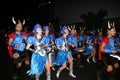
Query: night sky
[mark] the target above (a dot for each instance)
(68, 11)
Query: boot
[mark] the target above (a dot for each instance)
(53, 68)
(48, 76)
(71, 73)
(37, 77)
(93, 59)
(88, 60)
(58, 73)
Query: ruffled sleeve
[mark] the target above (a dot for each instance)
(31, 40)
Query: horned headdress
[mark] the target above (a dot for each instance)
(82, 28)
(18, 21)
(111, 25)
(99, 30)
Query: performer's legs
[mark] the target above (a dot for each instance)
(71, 67)
(92, 55)
(51, 58)
(27, 62)
(16, 70)
(60, 69)
(37, 77)
(48, 71)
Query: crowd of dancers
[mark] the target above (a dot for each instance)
(49, 51)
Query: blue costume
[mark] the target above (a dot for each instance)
(110, 46)
(72, 39)
(18, 53)
(89, 46)
(19, 41)
(81, 39)
(62, 54)
(38, 60)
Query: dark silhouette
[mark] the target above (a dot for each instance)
(94, 20)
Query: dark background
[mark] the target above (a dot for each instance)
(56, 11)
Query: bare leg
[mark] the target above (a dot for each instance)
(48, 71)
(71, 67)
(60, 69)
(16, 70)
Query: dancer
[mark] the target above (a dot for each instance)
(64, 55)
(39, 56)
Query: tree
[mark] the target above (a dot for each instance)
(94, 20)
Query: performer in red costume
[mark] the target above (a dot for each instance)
(106, 51)
(16, 47)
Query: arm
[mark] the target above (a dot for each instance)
(10, 41)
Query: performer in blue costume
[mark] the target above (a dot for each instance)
(82, 37)
(50, 40)
(72, 38)
(64, 55)
(90, 50)
(107, 51)
(39, 56)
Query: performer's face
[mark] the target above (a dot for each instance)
(100, 33)
(112, 32)
(47, 31)
(18, 27)
(82, 31)
(73, 32)
(66, 31)
(39, 31)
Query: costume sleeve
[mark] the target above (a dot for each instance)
(12, 35)
(31, 40)
(57, 42)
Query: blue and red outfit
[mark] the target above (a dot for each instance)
(17, 40)
(108, 47)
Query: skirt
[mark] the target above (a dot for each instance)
(61, 57)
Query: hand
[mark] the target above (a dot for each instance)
(114, 51)
(36, 51)
(17, 46)
(80, 44)
(48, 49)
(72, 45)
